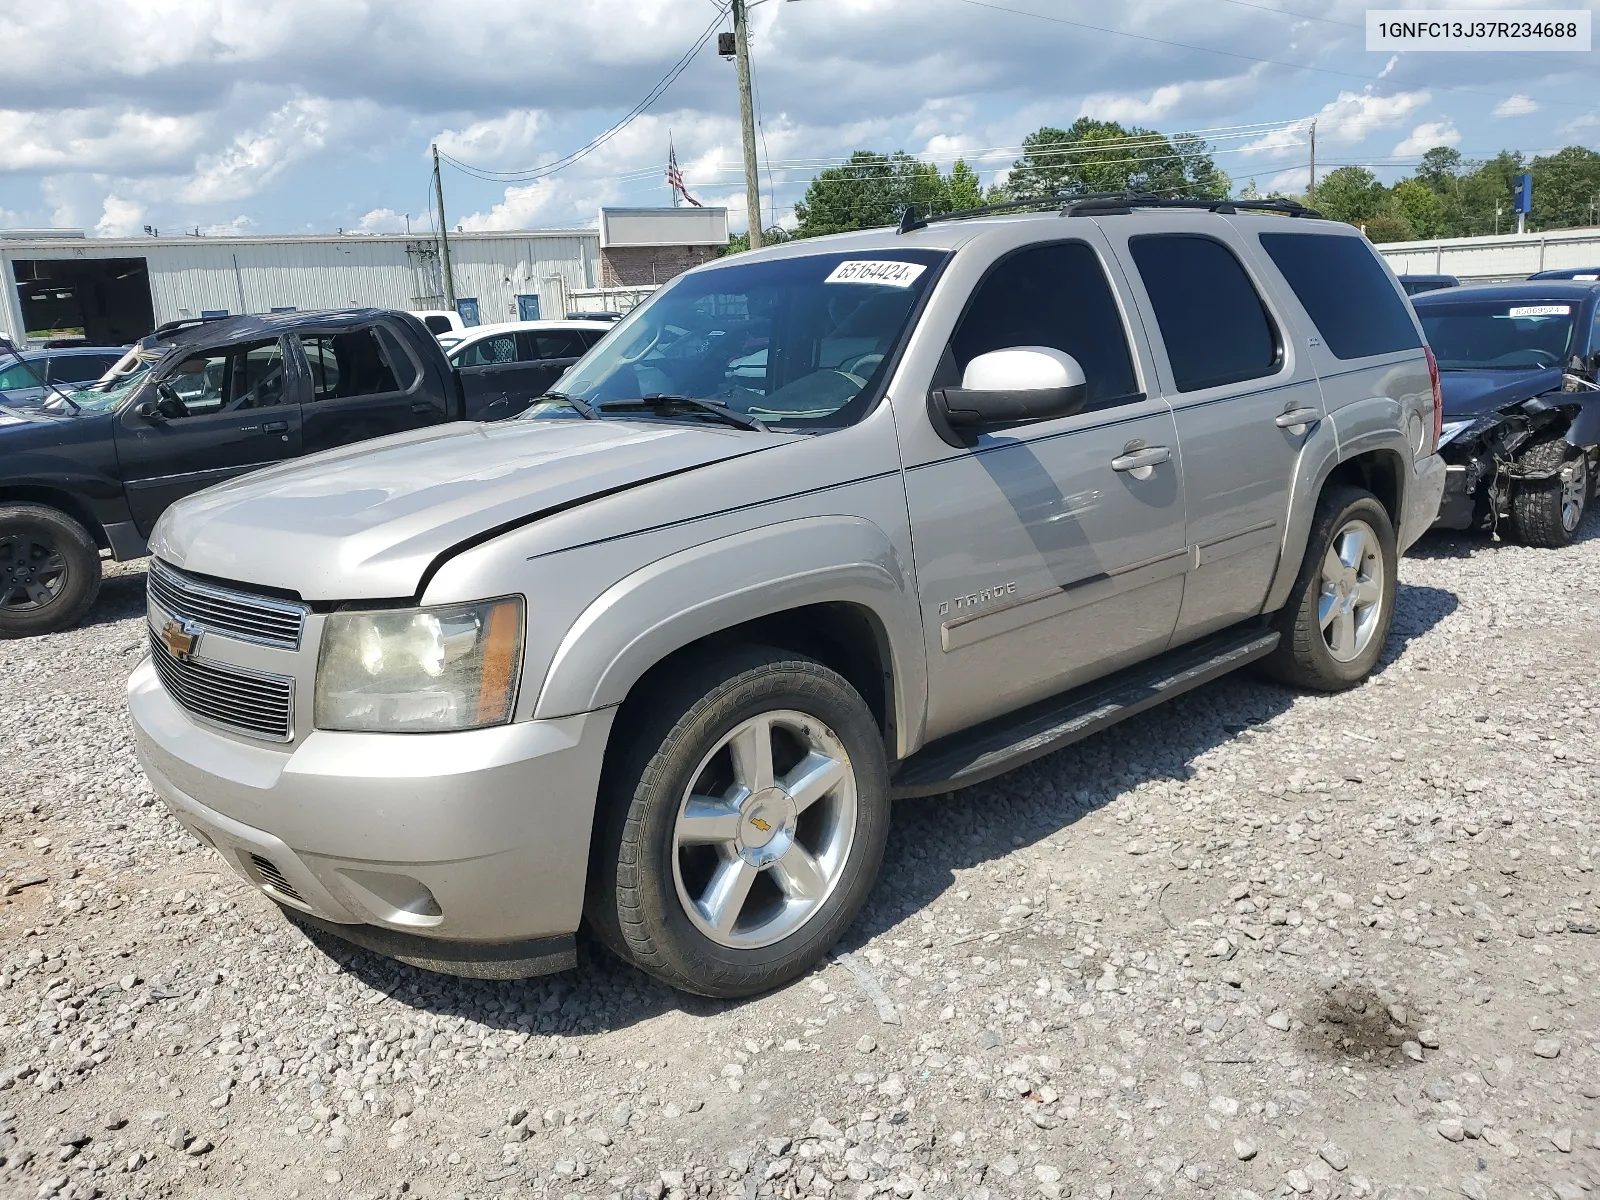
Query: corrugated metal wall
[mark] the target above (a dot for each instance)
(257, 275)
(1507, 256)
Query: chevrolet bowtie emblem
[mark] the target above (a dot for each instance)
(178, 640)
(764, 826)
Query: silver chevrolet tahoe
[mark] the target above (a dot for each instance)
(871, 516)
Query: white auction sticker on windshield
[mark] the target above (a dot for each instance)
(1541, 310)
(880, 271)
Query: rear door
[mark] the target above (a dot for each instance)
(364, 383)
(490, 374)
(220, 413)
(1245, 399)
(547, 353)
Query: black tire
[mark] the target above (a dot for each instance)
(49, 570)
(1540, 515)
(1304, 658)
(633, 899)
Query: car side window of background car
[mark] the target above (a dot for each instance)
(18, 376)
(1345, 291)
(559, 343)
(1212, 319)
(78, 368)
(348, 364)
(1058, 296)
(235, 379)
(488, 352)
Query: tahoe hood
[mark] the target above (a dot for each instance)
(367, 521)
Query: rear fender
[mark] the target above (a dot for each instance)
(709, 588)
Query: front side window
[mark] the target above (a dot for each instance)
(799, 343)
(19, 375)
(344, 365)
(487, 352)
(232, 379)
(1213, 321)
(1055, 296)
(1499, 335)
(77, 368)
(558, 343)
(1346, 292)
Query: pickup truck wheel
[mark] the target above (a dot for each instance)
(745, 822)
(49, 570)
(1338, 616)
(1547, 512)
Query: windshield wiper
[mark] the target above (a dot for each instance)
(663, 402)
(583, 408)
(8, 347)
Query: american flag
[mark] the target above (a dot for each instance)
(675, 178)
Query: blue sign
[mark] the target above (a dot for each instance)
(527, 308)
(1522, 194)
(467, 310)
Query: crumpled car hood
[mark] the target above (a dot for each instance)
(367, 521)
(1470, 394)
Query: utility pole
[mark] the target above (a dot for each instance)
(747, 120)
(444, 236)
(1311, 194)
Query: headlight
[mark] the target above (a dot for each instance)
(420, 670)
(1450, 429)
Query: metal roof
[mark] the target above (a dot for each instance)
(67, 242)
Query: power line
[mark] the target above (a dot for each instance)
(530, 174)
(1298, 16)
(1144, 37)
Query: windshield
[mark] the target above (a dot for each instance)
(115, 386)
(1498, 335)
(797, 343)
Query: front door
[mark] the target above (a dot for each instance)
(1049, 553)
(1245, 401)
(364, 384)
(219, 414)
(490, 375)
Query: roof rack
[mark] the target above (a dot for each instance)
(1105, 204)
(182, 323)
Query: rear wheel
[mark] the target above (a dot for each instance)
(1547, 512)
(1337, 620)
(744, 823)
(49, 570)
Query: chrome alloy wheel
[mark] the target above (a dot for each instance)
(1574, 491)
(764, 830)
(1350, 609)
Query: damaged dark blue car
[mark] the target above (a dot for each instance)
(1519, 368)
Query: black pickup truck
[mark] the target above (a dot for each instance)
(191, 405)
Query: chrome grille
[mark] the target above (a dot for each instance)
(267, 872)
(252, 618)
(252, 703)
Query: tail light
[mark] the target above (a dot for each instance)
(1438, 398)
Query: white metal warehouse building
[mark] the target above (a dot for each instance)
(115, 290)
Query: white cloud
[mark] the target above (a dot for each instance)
(94, 139)
(381, 220)
(257, 156)
(1195, 97)
(489, 143)
(1347, 121)
(237, 227)
(1426, 136)
(120, 218)
(1516, 105)
(519, 210)
(1293, 181)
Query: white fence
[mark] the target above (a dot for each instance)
(1495, 257)
(617, 299)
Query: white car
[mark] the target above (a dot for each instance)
(505, 367)
(442, 323)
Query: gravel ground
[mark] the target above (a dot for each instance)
(1254, 944)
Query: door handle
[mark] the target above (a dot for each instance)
(422, 408)
(1297, 417)
(1141, 458)
(276, 427)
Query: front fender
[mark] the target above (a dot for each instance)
(703, 590)
(1585, 427)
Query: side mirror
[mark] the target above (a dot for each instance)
(148, 410)
(1005, 387)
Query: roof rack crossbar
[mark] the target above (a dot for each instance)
(1084, 204)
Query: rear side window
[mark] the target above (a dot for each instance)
(77, 368)
(557, 343)
(1345, 291)
(348, 364)
(404, 367)
(1212, 320)
(438, 325)
(489, 352)
(1054, 296)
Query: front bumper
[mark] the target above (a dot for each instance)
(427, 847)
(1422, 500)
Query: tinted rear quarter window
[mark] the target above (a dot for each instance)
(1213, 322)
(1345, 291)
(1057, 296)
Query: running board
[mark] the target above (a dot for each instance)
(995, 747)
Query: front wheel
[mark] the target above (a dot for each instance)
(49, 570)
(743, 824)
(1338, 616)
(1547, 512)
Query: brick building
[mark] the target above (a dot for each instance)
(642, 247)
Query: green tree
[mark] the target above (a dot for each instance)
(1566, 189)
(1388, 227)
(870, 190)
(1440, 170)
(1352, 194)
(740, 242)
(1420, 207)
(1104, 156)
(966, 191)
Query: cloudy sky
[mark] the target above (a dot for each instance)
(268, 116)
